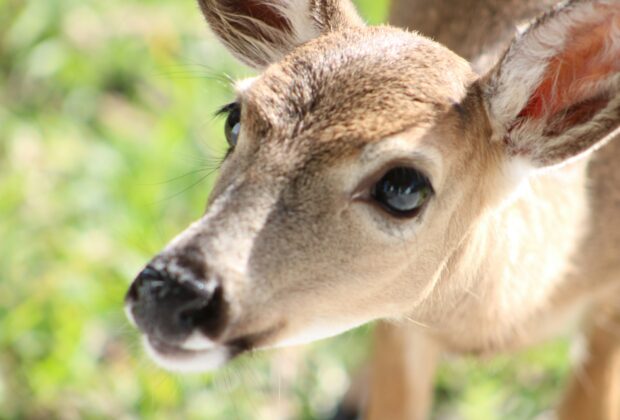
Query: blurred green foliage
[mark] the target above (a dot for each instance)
(107, 149)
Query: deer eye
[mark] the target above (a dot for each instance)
(232, 127)
(402, 191)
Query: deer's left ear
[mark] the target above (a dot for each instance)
(260, 32)
(556, 92)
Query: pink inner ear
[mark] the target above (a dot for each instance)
(590, 55)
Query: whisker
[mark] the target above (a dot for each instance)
(176, 178)
(421, 324)
(202, 179)
(472, 293)
(229, 386)
(197, 70)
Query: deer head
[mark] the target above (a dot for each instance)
(360, 160)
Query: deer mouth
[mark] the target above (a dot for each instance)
(198, 354)
(182, 359)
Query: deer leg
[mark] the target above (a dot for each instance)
(594, 389)
(402, 373)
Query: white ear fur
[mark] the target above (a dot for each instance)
(556, 92)
(260, 32)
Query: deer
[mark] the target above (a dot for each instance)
(469, 203)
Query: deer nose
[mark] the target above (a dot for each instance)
(170, 308)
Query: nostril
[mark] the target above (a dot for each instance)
(172, 307)
(204, 314)
(191, 318)
(147, 280)
(150, 273)
(156, 289)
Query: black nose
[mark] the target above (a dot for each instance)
(168, 309)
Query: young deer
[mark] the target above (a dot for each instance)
(374, 175)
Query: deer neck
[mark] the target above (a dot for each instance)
(506, 269)
(478, 30)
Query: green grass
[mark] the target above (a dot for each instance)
(107, 146)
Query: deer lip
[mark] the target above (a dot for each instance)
(175, 358)
(168, 349)
(181, 359)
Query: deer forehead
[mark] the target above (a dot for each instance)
(337, 93)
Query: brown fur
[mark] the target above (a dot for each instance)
(496, 258)
(594, 390)
(478, 30)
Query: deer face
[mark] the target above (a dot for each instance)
(360, 158)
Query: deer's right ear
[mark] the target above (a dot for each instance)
(260, 32)
(556, 92)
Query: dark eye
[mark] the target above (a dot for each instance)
(233, 123)
(402, 191)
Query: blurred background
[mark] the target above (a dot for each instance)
(108, 148)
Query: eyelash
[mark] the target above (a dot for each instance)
(223, 112)
(225, 109)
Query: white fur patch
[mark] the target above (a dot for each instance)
(198, 342)
(298, 13)
(244, 84)
(129, 316)
(196, 362)
(315, 332)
